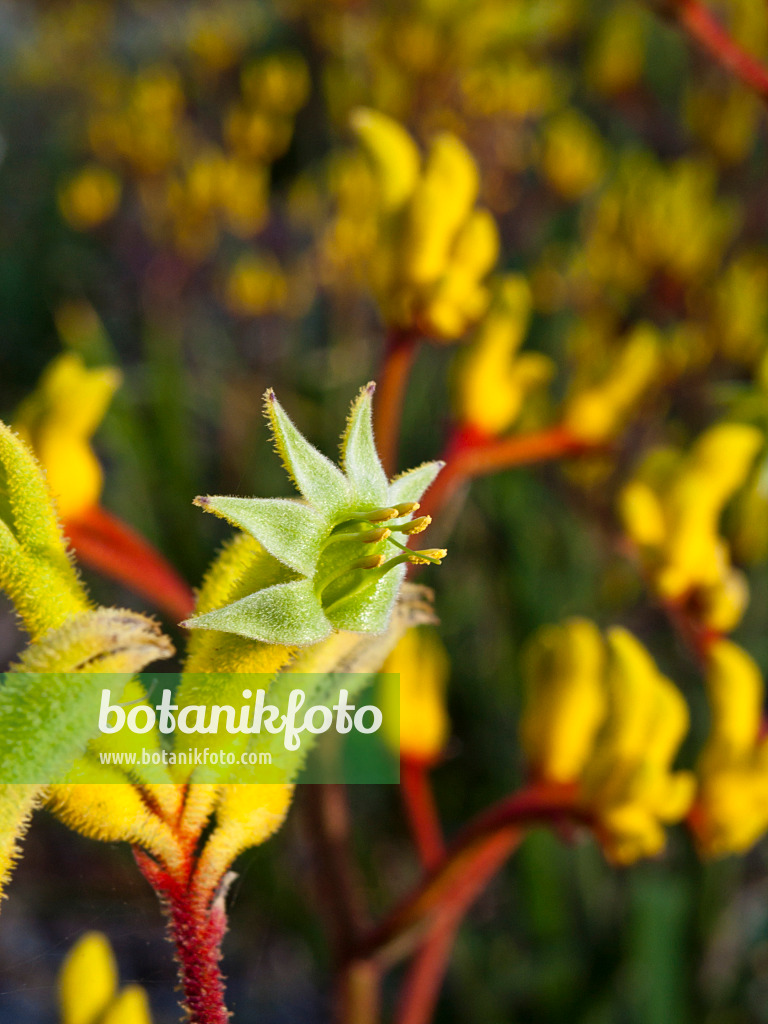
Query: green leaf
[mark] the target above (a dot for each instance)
(288, 613)
(410, 486)
(321, 483)
(359, 457)
(369, 611)
(291, 532)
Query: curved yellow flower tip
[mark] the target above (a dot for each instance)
(88, 987)
(731, 811)
(89, 197)
(130, 1007)
(422, 663)
(394, 154)
(598, 412)
(58, 421)
(114, 811)
(493, 379)
(246, 815)
(565, 699)
(714, 470)
(441, 203)
(642, 515)
(735, 693)
(87, 980)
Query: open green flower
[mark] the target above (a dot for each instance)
(337, 561)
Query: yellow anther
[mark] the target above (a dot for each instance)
(416, 526)
(406, 507)
(369, 562)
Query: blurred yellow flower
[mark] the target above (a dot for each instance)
(58, 421)
(618, 53)
(493, 379)
(672, 511)
(422, 663)
(256, 285)
(605, 718)
(595, 411)
(428, 247)
(88, 987)
(731, 811)
(572, 154)
(90, 197)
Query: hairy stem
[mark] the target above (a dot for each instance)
(196, 931)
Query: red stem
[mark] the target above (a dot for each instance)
(399, 355)
(469, 455)
(420, 807)
(546, 804)
(425, 978)
(109, 545)
(197, 932)
(699, 23)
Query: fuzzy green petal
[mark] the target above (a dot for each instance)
(411, 485)
(321, 483)
(288, 613)
(359, 457)
(370, 611)
(293, 533)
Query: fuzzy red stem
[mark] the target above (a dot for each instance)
(699, 23)
(422, 813)
(399, 355)
(196, 931)
(110, 546)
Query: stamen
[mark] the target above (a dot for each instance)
(364, 537)
(369, 562)
(430, 556)
(406, 507)
(415, 526)
(376, 515)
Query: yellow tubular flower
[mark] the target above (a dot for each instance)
(612, 725)
(442, 201)
(422, 663)
(90, 197)
(58, 421)
(565, 699)
(629, 779)
(424, 247)
(716, 467)
(596, 413)
(731, 811)
(493, 380)
(394, 154)
(246, 815)
(674, 516)
(88, 987)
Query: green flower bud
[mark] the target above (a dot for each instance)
(341, 568)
